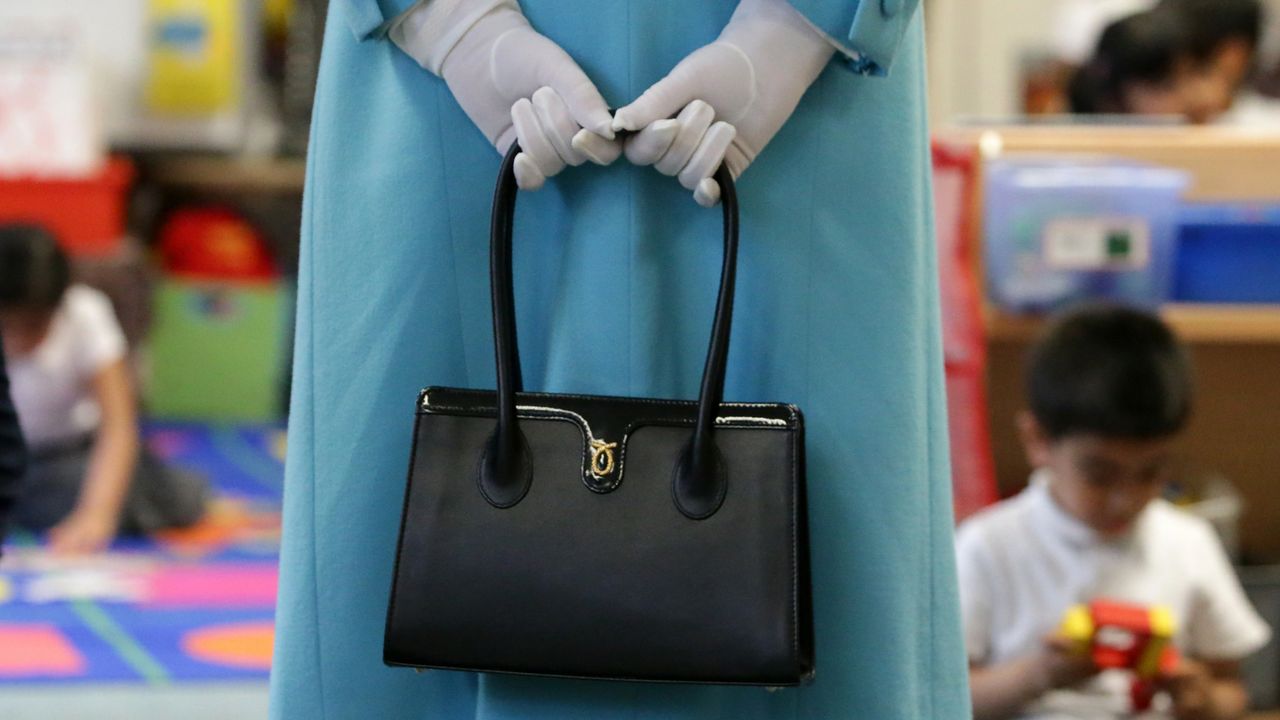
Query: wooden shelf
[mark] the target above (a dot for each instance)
(1200, 324)
(1226, 164)
(228, 175)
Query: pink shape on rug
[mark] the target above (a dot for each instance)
(37, 650)
(214, 586)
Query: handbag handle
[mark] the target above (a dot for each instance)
(506, 472)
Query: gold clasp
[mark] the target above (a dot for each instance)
(602, 458)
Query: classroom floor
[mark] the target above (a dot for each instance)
(202, 701)
(167, 627)
(175, 627)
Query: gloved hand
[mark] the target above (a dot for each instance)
(732, 97)
(513, 83)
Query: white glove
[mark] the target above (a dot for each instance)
(512, 82)
(750, 80)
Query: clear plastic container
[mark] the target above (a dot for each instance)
(1066, 228)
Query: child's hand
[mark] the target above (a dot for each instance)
(1190, 686)
(1060, 665)
(83, 531)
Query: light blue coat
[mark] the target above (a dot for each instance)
(615, 276)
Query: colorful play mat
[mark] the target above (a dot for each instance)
(194, 604)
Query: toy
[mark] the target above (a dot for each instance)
(1128, 637)
(214, 243)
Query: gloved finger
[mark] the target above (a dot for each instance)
(694, 120)
(586, 104)
(662, 100)
(650, 144)
(533, 138)
(600, 151)
(558, 124)
(707, 194)
(528, 176)
(708, 156)
(736, 160)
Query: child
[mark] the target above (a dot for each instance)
(12, 452)
(86, 476)
(1223, 38)
(1223, 35)
(1109, 390)
(1142, 66)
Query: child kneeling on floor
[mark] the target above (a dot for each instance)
(1109, 389)
(88, 476)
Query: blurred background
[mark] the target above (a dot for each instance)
(1082, 149)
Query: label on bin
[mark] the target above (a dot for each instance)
(1116, 243)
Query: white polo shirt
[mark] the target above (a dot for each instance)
(1024, 561)
(52, 385)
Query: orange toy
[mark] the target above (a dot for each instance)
(1124, 636)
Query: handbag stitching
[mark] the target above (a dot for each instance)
(585, 427)
(552, 413)
(734, 420)
(792, 410)
(725, 420)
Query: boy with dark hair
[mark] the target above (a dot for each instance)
(1109, 390)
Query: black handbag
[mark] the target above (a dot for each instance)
(603, 537)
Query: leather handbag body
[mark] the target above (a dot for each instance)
(603, 537)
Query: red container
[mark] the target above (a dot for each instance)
(87, 215)
(214, 243)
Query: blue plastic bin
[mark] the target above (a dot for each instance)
(1065, 228)
(1229, 254)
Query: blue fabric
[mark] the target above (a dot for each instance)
(367, 18)
(615, 279)
(869, 31)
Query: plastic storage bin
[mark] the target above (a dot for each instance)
(1061, 229)
(87, 215)
(1229, 254)
(217, 350)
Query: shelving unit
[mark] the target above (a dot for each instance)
(221, 174)
(266, 190)
(1226, 164)
(1235, 349)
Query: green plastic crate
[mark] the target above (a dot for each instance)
(217, 351)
